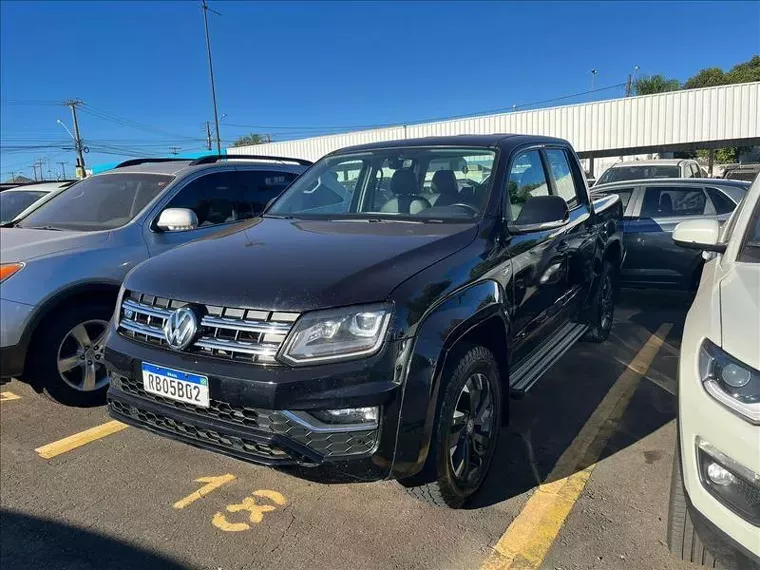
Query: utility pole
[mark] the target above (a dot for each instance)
(211, 73)
(63, 170)
(208, 135)
(34, 166)
(593, 79)
(630, 82)
(74, 103)
(174, 150)
(42, 172)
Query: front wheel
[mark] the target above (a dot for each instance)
(466, 432)
(67, 358)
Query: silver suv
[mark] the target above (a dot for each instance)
(61, 266)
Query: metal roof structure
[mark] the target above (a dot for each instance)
(677, 120)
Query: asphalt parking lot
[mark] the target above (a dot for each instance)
(581, 480)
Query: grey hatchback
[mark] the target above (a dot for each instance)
(652, 210)
(61, 266)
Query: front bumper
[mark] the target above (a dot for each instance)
(14, 318)
(12, 361)
(257, 414)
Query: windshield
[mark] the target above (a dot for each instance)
(618, 173)
(14, 202)
(103, 202)
(417, 183)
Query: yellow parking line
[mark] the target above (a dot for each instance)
(527, 540)
(6, 396)
(79, 439)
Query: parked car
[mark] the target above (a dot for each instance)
(14, 201)
(715, 488)
(376, 337)
(61, 265)
(652, 211)
(646, 169)
(746, 172)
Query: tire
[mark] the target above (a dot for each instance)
(602, 307)
(683, 540)
(441, 483)
(58, 337)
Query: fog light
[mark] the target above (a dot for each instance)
(348, 415)
(719, 475)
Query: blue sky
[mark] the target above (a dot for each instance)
(293, 69)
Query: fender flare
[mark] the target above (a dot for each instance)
(439, 330)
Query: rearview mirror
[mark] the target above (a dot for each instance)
(177, 220)
(699, 234)
(539, 214)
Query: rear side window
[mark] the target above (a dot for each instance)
(216, 198)
(527, 179)
(563, 177)
(261, 186)
(673, 202)
(723, 204)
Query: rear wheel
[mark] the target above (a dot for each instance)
(603, 306)
(67, 355)
(466, 432)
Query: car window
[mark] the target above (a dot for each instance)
(673, 202)
(261, 186)
(559, 166)
(639, 172)
(527, 180)
(722, 203)
(216, 198)
(101, 202)
(624, 193)
(750, 251)
(14, 202)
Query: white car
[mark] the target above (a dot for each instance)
(17, 202)
(715, 491)
(649, 169)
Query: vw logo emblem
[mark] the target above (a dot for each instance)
(180, 328)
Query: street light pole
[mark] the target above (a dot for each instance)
(211, 73)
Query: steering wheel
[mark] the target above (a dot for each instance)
(468, 206)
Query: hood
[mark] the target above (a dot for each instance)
(19, 244)
(299, 265)
(740, 313)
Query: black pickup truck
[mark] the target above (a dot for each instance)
(376, 319)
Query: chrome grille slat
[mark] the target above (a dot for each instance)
(255, 340)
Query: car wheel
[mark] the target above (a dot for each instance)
(466, 432)
(67, 358)
(683, 540)
(603, 306)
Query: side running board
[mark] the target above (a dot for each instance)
(530, 370)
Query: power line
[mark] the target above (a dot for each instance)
(132, 124)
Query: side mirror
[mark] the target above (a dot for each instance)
(177, 220)
(699, 234)
(539, 214)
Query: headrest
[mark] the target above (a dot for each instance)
(445, 183)
(404, 182)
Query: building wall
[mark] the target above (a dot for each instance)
(633, 125)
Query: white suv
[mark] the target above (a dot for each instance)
(715, 491)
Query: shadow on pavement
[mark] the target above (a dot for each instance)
(545, 422)
(30, 542)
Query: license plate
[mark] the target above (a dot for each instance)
(175, 384)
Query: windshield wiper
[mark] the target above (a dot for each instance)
(51, 228)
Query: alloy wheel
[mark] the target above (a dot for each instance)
(471, 429)
(80, 356)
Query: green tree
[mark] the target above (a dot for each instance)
(745, 72)
(647, 85)
(250, 139)
(708, 77)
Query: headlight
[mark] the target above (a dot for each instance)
(732, 383)
(336, 334)
(8, 269)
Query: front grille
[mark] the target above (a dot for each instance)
(208, 436)
(247, 335)
(265, 422)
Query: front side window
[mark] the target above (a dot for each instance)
(216, 198)
(527, 180)
(722, 203)
(624, 194)
(563, 176)
(261, 186)
(426, 182)
(673, 202)
(750, 251)
(101, 202)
